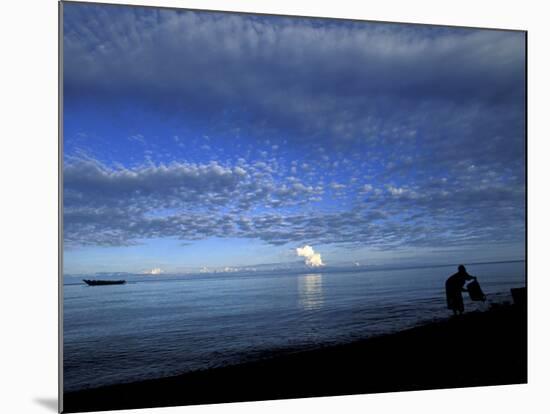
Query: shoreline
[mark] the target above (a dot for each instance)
(476, 349)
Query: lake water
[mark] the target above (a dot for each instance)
(153, 326)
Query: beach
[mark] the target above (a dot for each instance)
(475, 349)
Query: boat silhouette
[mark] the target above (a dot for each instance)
(103, 282)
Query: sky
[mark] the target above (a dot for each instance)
(207, 140)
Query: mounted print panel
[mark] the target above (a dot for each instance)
(260, 207)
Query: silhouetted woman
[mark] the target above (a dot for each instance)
(454, 288)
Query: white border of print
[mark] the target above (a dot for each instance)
(28, 32)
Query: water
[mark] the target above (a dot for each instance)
(156, 327)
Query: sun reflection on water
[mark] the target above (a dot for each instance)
(310, 290)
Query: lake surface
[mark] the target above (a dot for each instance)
(156, 326)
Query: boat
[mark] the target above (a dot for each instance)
(103, 282)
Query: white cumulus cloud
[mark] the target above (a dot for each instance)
(154, 271)
(311, 258)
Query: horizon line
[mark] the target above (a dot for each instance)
(321, 269)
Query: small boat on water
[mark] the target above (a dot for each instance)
(103, 282)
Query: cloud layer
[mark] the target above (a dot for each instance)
(105, 206)
(302, 130)
(319, 79)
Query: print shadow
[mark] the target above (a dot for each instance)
(49, 403)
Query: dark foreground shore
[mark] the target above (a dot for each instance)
(485, 348)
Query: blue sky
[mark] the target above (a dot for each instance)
(210, 140)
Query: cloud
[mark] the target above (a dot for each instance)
(342, 82)
(344, 133)
(138, 138)
(154, 271)
(178, 184)
(110, 206)
(311, 259)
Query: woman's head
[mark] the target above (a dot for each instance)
(461, 269)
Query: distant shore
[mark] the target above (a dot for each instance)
(476, 349)
(325, 269)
